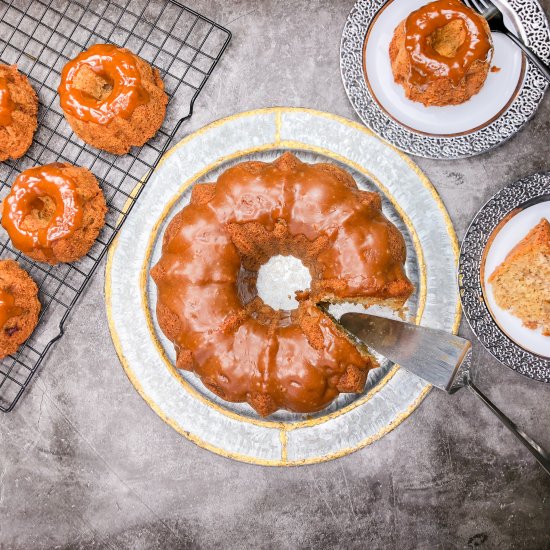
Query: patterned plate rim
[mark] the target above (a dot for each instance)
(520, 111)
(469, 276)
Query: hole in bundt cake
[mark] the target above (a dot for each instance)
(279, 279)
(447, 39)
(42, 210)
(93, 84)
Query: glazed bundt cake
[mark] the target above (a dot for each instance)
(241, 348)
(113, 99)
(441, 53)
(18, 113)
(54, 213)
(19, 306)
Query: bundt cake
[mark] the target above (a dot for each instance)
(19, 306)
(18, 112)
(521, 283)
(113, 99)
(53, 213)
(241, 348)
(441, 53)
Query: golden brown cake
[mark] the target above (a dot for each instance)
(521, 283)
(113, 99)
(441, 53)
(241, 348)
(18, 110)
(54, 213)
(19, 306)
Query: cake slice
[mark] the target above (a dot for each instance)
(521, 283)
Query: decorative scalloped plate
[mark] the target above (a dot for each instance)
(507, 100)
(233, 429)
(499, 225)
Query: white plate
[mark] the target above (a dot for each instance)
(510, 234)
(233, 429)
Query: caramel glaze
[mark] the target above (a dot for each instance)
(117, 66)
(21, 208)
(427, 63)
(295, 360)
(7, 106)
(8, 309)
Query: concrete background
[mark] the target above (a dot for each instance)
(84, 462)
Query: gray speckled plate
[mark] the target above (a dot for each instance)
(507, 100)
(233, 429)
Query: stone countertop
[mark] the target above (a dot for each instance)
(85, 463)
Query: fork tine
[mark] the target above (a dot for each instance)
(477, 6)
(489, 5)
(490, 11)
(468, 3)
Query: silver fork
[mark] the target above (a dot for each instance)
(494, 17)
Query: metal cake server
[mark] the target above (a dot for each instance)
(440, 358)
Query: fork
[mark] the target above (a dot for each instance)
(494, 17)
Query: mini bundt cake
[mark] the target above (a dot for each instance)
(441, 53)
(54, 213)
(521, 283)
(19, 306)
(241, 348)
(18, 111)
(113, 99)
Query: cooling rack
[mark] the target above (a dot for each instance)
(40, 36)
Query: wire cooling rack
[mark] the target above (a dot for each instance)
(40, 36)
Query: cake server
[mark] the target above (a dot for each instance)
(440, 358)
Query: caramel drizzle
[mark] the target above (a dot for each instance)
(427, 63)
(115, 65)
(25, 197)
(7, 106)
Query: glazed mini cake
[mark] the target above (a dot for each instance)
(441, 53)
(54, 213)
(19, 306)
(18, 112)
(113, 99)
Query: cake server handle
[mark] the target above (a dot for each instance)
(534, 448)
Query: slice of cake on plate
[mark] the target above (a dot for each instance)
(521, 283)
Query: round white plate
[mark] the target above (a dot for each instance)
(233, 429)
(510, 234)
(506, 101)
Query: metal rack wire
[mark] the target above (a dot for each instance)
(40, 36)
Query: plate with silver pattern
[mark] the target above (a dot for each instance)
(509, 98)
(500, 224)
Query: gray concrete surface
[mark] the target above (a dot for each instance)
(84, 462)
